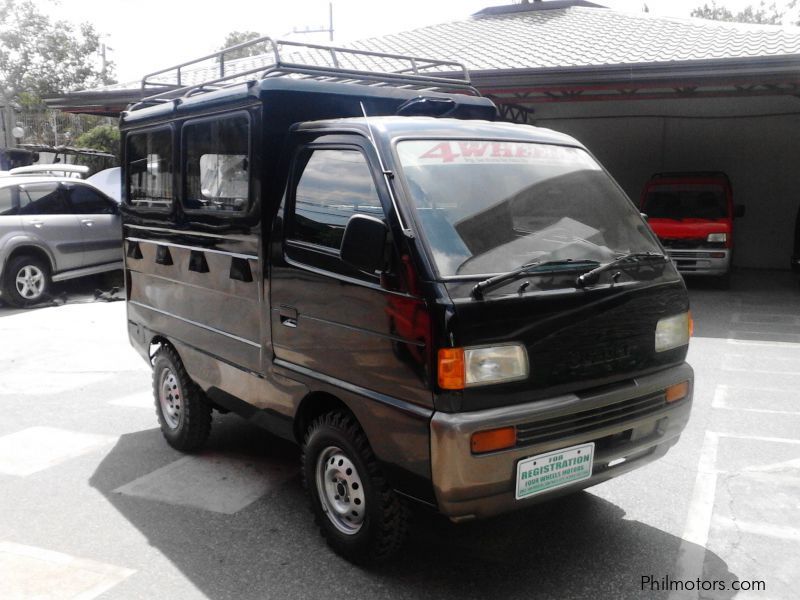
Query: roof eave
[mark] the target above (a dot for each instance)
(743, 69)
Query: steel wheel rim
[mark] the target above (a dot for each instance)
(170, 398)
(340, 490)
(30, 282)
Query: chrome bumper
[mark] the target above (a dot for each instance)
(701, 261)
(469, 485)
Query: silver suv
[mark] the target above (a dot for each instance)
(52, 229)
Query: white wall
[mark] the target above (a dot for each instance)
(761, 155)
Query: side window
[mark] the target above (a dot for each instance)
(149, 161)
(7, 202)
(217, 165)
(42, 199)
(334, 185)
(86, 201)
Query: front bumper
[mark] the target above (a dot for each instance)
(700, 261)
(625, 422)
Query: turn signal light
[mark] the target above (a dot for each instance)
(493, 439)
(452, 375)
(676, 392)
(691, 325)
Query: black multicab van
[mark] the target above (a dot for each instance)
(438, 307)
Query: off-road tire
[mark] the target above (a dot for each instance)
(13, 268)
(187, 426)
(385, 523)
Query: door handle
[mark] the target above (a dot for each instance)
(87, 222)
(36, 223)
(288, 316)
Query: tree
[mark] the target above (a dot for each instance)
(39, 56)
(101, 137)
(239, 37)
(762, 13)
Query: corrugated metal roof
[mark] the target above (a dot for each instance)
(578, 36)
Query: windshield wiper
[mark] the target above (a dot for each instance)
(531, 267)
(632, 257)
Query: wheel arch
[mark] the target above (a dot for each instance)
(32, 250)
(314, 405)
(158, 341)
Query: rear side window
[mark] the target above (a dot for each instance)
(42, 199)
(335, 185)
(217, 167)
(7, 202)
(86, 201)
(150, 169)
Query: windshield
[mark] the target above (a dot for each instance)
(488, 207)
(686, 201)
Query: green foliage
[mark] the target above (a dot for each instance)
(239, 37)
(763, 13)
(39, 56)
(101, 137)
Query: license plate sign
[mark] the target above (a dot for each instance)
(552, 470)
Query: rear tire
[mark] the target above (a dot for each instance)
(27, 281)
(357, 512)
(183, 412)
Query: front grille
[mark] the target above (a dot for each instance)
(683, 242)
(689, 244)
(589, 420)
(682, 254)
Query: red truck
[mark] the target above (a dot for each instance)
(692, 214)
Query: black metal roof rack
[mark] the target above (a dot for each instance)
(308, 61)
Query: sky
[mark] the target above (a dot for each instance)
(147, 35)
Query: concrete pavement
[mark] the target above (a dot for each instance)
(96, 505)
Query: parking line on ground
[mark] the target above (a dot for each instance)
(791, 339)
(28, 572)
(37, 448)
(780, 532)
(758, 343)
(758, 438)
(212, 481)
(692, 551)
(143, 400)
(772, 318)
(720, 400)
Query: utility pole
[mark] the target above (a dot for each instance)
(328, 30)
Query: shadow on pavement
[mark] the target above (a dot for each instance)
(577, 547)
(761, 305)
(107, 287)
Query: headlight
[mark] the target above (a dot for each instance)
(495, 364)
(672, 332)
(717, 237)
(465, 367)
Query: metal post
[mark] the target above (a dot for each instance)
(330, 20)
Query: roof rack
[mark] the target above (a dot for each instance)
(307, 61)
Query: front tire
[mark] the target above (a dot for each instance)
(357, 512)
(27, 281)
(183, 412)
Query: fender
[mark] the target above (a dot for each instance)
(21, 239)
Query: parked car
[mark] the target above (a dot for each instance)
(52, 229)
(52, 170)
(108, 181)
(692, 214)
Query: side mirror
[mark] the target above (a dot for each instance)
(738, 211)
(364, 243)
